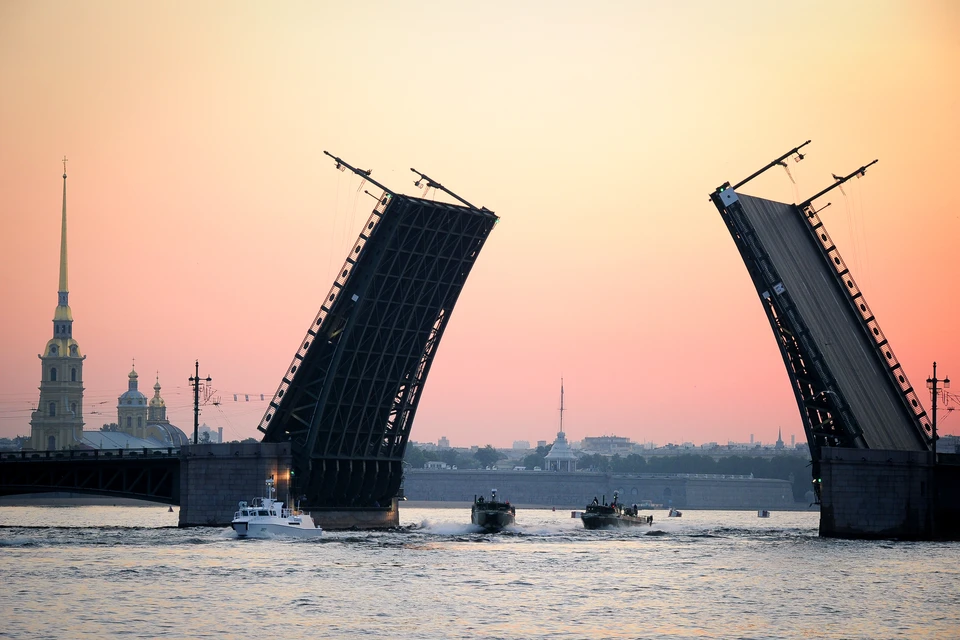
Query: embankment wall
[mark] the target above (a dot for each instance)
(574, 490)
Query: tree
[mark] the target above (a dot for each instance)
(488, 456)
(414, 457)
(450, 456)
(536, 459)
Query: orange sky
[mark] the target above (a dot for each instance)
(204, 221)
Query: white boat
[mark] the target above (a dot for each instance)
(674, 513)
(265, 517)
(763, 513)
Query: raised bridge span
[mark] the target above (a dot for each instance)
(347, 401)
(876, 471)
(850, 388)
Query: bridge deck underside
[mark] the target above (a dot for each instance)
(347, 402)
(827, 311)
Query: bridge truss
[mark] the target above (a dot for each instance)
(348, 399)
(148, 474)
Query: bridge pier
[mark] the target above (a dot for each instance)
(215, 477)
(875, 494)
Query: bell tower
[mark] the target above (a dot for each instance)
(58, 421)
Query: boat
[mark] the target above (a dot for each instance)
(492, 515)
(763, 513)
(604, 516)
(674, 513)
(265, 517)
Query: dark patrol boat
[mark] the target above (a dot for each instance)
(605, 516)
(492, 514)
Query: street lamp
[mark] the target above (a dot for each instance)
(932, 385)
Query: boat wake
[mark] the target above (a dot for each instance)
(449, 528)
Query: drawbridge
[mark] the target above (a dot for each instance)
(850, 388)
(348, 399)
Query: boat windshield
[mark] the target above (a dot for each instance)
(263, 513)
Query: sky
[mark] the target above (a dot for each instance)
(206, 224)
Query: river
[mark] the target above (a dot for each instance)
(102, 571)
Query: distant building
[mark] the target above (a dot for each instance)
(443, 443)
(779, 445)
(521, 445)
(606, 444)
(560, 457)
(541, 443)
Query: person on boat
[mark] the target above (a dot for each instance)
(595, 501)
(480, 500)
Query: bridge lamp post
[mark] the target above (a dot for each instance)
(932, 385)
(196, 381)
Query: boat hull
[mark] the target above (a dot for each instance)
(613, 521)
(254, 529)
(492, 520)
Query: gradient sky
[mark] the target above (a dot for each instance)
(205, 222)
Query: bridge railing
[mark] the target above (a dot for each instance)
(94, 454)
(894, 368)
(369, 228)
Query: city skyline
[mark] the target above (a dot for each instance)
(198, 195)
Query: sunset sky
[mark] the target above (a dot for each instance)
(206, 223)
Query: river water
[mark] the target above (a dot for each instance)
(101, 572)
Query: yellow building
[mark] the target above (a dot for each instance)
(58, 421)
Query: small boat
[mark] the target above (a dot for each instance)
(604, 516)
(492, 514)
(674, 513)
(763, 513)
(265, 517)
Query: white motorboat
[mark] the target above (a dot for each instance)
(265, 517)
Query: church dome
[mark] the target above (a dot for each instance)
(132, 395)
(156, 400)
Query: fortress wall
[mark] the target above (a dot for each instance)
(574, 490)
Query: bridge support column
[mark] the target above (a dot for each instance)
(871, 494)
(215, 477)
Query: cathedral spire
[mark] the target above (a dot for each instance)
(63, 236)
(63, 317)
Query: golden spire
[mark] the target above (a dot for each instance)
(63, 234)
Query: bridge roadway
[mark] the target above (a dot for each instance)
(147, 474)
(829, 313)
